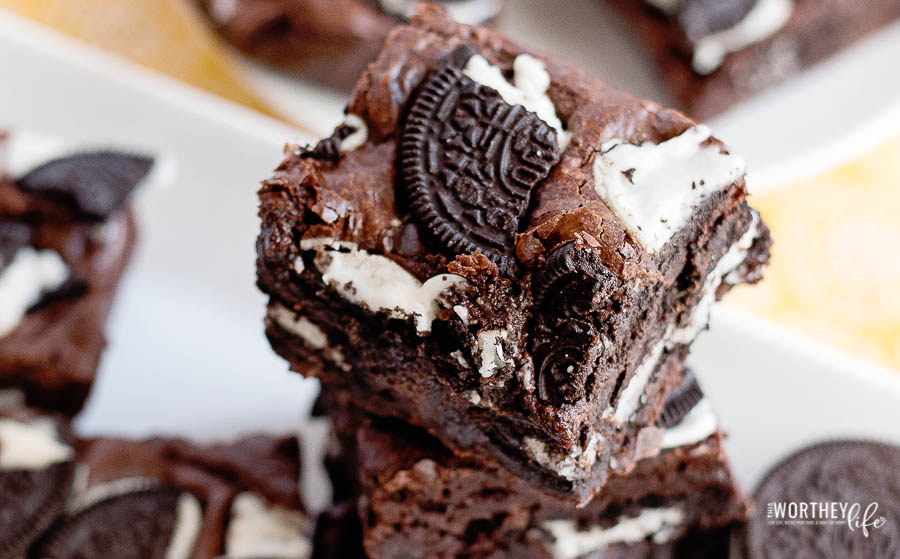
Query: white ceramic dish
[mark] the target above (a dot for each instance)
(187, 354)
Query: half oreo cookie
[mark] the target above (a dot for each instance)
(36, 471)
(154, 523)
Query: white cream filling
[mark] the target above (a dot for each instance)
(31, 273)
(31, 446)
(469, 12)
(761, 22)
(307, 331)
(488, 347)
(697, 425)
(728, 263)
(260, 529)
(575, 465)
(314, 484)
(630, 397)
(85, 495)
(188, 520)
(654, 188)
(571, 543)
(380, 284)
(529, 89)
(358, 137)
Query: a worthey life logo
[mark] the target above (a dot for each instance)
(852, 515)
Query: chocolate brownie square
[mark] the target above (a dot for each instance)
(63, 497)
(419, 500)
(66, 234)
(330, 41)
(715, 53)
(171, 498)
(505, 251)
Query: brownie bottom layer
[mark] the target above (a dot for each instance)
(421, 501)
(53, 353)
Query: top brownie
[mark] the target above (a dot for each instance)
(505, 251)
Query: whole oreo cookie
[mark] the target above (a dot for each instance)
(95, 184)
(469, 162)
(134, 525)
(700, 18)
(680, 401)
(32, 495)
(862, 478)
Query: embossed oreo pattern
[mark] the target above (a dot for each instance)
(566, 291)
(681, 401)
(469, 163)
(562, 361)
(137, 525)
(843, 471)
(29, 502)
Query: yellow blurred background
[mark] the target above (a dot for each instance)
(835, 274)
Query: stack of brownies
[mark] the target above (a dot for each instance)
(496, 267)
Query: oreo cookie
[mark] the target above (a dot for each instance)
(32, 494)
(93, 184)
(562, 361)
(862, 478)
(680, 401)
(135, 525)
(700, 18)
(329, 149)
(469, 162)
(571, 280)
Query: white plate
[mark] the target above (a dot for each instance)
(822, 118)
(187, 354)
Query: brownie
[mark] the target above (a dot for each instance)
(240, 498)
(518, 269)
(157, 498)
(715, 53)
(66, 235)
(419, 500)
(330, 41)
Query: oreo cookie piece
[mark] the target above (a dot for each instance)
(13, 236)
(700, 18)
(155, 523)
(329, 149)
(36, 471)
(862, 478)
(94, 184)
(680, 401)
(469, 162)
(563, 360)
(570, 281)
